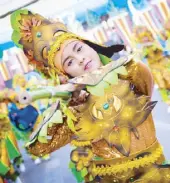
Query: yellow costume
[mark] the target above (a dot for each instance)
(157, 61)
(112, 129)
(9, 150)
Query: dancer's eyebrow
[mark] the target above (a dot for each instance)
(74, 47)
(66, 59)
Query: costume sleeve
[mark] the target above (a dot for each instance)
(140, 75)
(61, 136)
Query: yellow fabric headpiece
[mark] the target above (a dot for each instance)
(55, 47)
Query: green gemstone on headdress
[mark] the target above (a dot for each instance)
(106, 106)
(38, 34)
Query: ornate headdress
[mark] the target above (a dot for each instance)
(41, 39)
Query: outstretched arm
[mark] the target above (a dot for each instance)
(53, 132)
(61, 136)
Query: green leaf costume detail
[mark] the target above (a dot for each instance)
(16, 17)
(20, 135)
(57, 117)
(43, 132)
(70, 124)
(15, 23)
(121, 70)
(12, 150)
(3, 169)
(97, 158)
(78, 174)
(42, 139)
(105, 60)
(110, 79)
(71, 165)
(84, 172)
(70, 117)
(98, 90)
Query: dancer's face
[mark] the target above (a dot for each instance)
(78, 58)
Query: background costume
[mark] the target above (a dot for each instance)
(157, 57)
(9, 152)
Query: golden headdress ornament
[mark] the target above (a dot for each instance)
(40, 39)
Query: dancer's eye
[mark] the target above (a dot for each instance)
(79, 49)
(70, 62)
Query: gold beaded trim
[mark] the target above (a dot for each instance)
(80, 143)
(57, 44)
(127, 165)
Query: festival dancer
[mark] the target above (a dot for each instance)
(10, 156)
(158, 60)
(104, 107)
